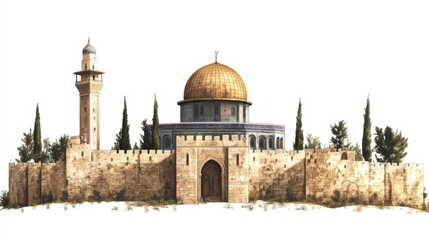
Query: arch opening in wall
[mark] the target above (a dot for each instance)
(262, 143)
(211, 182)
(271, 143)
(344, 156)
(277, 143)
(237, 160)
(166, 140)
(187, 159)
(252, 141)
(281, 143)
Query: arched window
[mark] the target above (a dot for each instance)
(262, 143)
(277, 143)
(344, 156)
(271, 143)
(166, 142)
(86, 67)
(92, 66)
(252, 140)
(281, 143)
(237, 160)
(187, 159)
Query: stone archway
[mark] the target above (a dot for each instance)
(211, 182)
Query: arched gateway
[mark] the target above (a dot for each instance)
(211, 182)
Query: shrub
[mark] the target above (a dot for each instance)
(47, 198)
(64, 197)
(96, 196)
(4, 199)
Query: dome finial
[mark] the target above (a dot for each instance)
(216, 52)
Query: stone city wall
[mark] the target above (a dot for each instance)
(35, 183)
(276, 174)
(120, 175)
(378, 182)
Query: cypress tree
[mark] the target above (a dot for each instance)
(125, 136)
(299, 133)
(145, 139)
(37, 137)
(366, 138)
(155, 126)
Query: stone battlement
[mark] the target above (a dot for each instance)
(212, 140)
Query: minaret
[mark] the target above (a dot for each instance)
(89, 81)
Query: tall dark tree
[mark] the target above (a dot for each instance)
(312, 142)
(340, 136)
(25, 151)
(366, 138)
(58, 149)
(123, 137)
(37, 137)
(390, 145)
(358, 151)
(145, 139)
(299, 133)
(155, 127)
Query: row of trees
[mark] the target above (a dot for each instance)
(150, 138)
(33, 148)
(390, 145)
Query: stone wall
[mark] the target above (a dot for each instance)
(390, 183)
(245, 174)
(276, 174)
(131, 175)
(34, 183)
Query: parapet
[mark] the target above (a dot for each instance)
(211, 140)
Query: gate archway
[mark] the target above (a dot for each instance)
(211, 182)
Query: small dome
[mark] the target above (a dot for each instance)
(215, 82)
(88, 48)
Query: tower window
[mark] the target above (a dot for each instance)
(93, 77)
(92, 66)
(238, 160)
(187, 159)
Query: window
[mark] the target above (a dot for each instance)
(167, 142)
(252, 140)
(93, 77)
(271, 143)
(187, 159)
(233, 111)
(262, 143)
(344, 156)
(237, 160)
(86, 67)
(92, 66)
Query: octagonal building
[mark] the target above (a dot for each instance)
(215, 103)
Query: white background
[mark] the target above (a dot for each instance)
(331, 54)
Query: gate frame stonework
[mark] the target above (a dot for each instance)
(224, 187)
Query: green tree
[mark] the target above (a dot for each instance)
(45, 154)
(145, 139)
(340, 136)
(135, 147)
(123, 137)
(58, 149)
(25, 151)
(389, 145)
(4, 199)
(366, 138)
(358, 152)
(155, 127)
(37, 137)
(299, 133)
(312, 142)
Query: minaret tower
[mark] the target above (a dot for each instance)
(89, 81)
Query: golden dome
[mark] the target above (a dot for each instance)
(215, 82)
